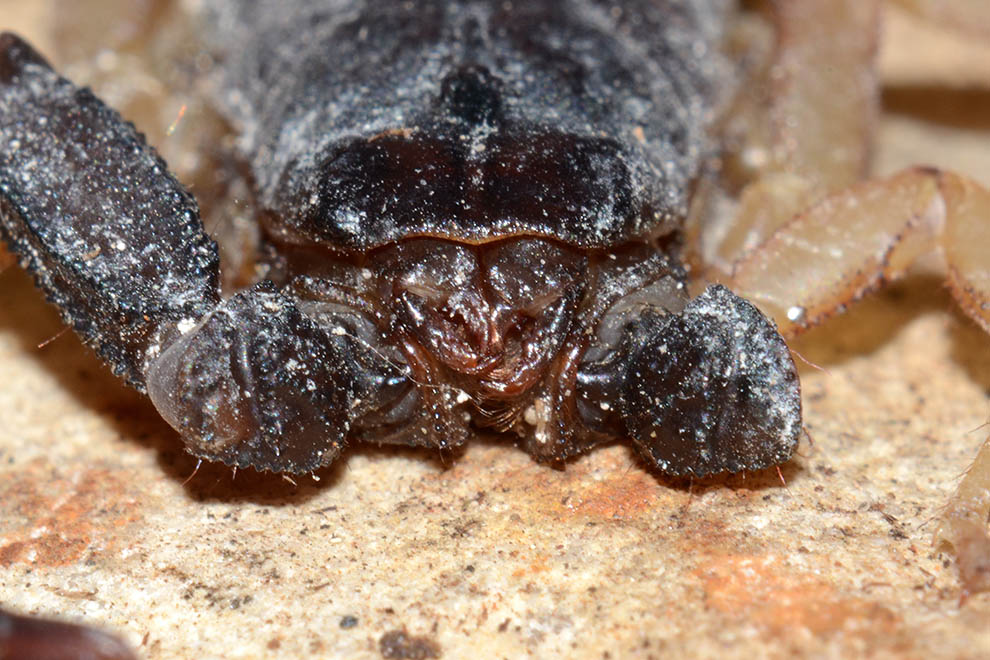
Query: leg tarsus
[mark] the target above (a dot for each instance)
(963, 524)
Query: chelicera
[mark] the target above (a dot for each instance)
(472, 213)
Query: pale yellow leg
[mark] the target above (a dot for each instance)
(963, 524)
(966, 244)
(841, 248)
(801, 128)
(850, 242)
(972, 16)
(966, 241)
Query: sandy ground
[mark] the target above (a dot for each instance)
(493, 555)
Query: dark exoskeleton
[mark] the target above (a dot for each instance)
(471, 214)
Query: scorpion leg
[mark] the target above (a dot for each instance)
(852, 241)
(967, 230)
(849, 244)
(963, 524)
(790, 138)
(972, 16)
(840, 249)
(116, 242)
